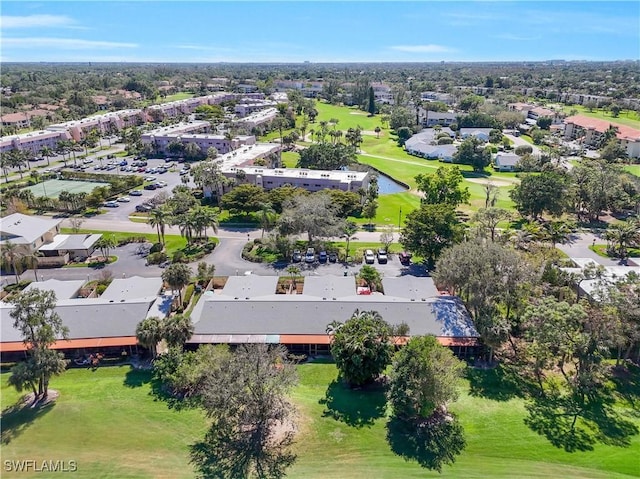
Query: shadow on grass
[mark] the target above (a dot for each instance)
(477, 174)
(495, 383)
(135, 378)
(354, 407)
(627, 384)
(17, 418)
(575, 427)
(432, 443)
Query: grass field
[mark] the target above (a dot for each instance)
(53, 188)
(109, 423)
(172, 242)
(626, 117)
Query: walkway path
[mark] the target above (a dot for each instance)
(579, 248)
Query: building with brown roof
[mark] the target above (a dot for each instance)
(589, 131)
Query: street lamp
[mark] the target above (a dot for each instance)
(400, 217)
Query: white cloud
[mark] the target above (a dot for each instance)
(31, 21)
(422, 48)
(64, 43)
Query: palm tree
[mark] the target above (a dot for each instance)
(267, 217)
(16, 159)
(12, 254)
(293, 271)
(31, 261)
(201, 218)
(105, 244)
(178, 329)
(149, 333)
(348, 232)
(623, 235)
(159, 218)
(177, 276)
(557, 232)
(46, 153)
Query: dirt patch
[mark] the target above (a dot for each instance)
(484, 181)
(28, 400)
(358, 113)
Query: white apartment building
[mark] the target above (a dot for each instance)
(258, 118)
(251, 106)
(116, 120)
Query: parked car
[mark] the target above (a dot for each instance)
(310, 257)
(322, 256)
(143, 208)
(333, 257)
(87, 161)
(297, 256)
(123, 199)
(151, 186)
(111, 204)
(123, 163)
(135, 193)
(184, 172)
(150, 178)
(382, 256)
(162, 170)
(161, 184)
(369, 257)
(405, 258)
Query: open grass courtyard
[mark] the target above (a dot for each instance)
(113, 427)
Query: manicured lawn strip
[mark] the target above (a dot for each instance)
(633, 169)
(172, 242)
(108, 422)
(601, 250)
(290, 158)
(626, 117)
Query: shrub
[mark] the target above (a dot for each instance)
(157, 258)
(523, 150)
(156, 248)
(101, 289)
(178, 257)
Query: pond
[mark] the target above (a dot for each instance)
(387, 186)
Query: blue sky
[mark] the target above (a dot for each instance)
(296, 31)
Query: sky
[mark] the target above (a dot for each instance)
(318, 32)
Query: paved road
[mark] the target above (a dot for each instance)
(518, 141)
(579, 248)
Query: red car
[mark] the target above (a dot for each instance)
(405, 258)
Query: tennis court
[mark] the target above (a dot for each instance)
(52, 188)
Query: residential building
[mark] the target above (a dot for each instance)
(32, 234)
(532, 112)
(106, 323)
(424, 145)
(22, 119)
(33, 141)
(480, 133)
(258, 118)
(310, 180)
(251, 106)
(299, 321)
(430, 118)
(437, 96)
(589, 130)
(506, 162)
(382, 93)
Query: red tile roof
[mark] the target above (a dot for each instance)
(15, 346)
(624, 132)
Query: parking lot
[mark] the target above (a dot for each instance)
(158, 171)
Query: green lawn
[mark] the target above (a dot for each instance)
(347, 117)
(633, 169)
(626, 117)
(109, 423)
(172, 242)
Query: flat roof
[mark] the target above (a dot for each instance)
(130, 288)
(246, 153)
(340, 175)
(329, 286)
(28, 228)
(251, 286)
(410, 287)
(71, 242)
(62, 289)
(301, 314)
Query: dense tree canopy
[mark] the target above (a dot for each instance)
(443, 187)
(326, 156)
(361, 347)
